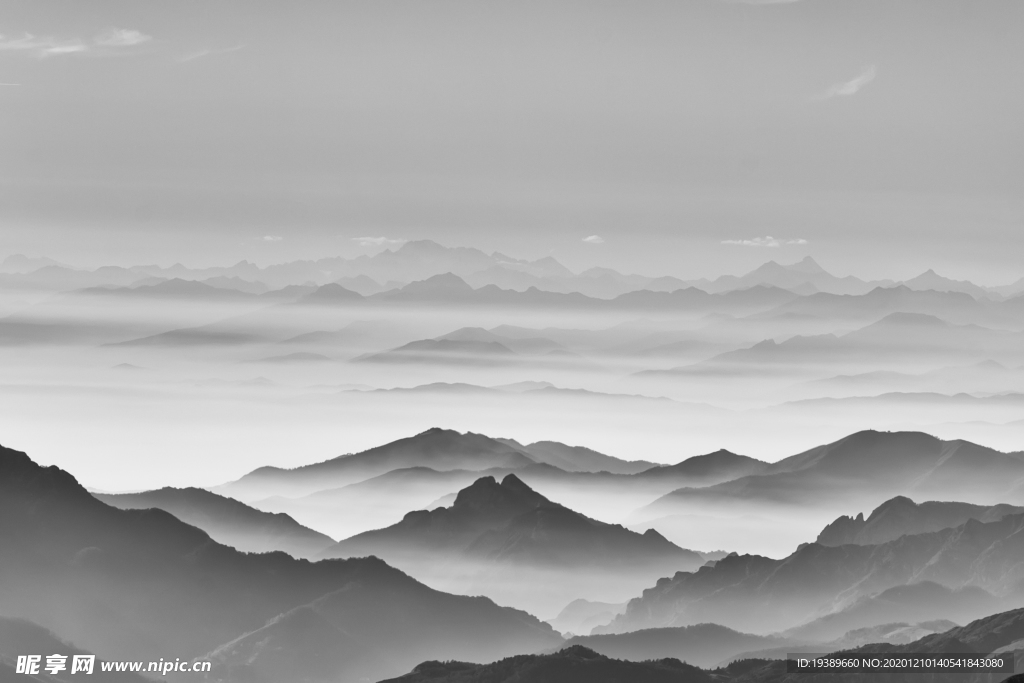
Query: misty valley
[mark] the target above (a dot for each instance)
(435, 464)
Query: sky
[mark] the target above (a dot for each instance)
(692, 137)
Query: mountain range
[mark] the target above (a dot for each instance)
(420, 259)
(227, 521)
(141, 585)
(510, 523)
(1001, 633)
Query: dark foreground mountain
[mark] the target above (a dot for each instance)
(574, 664)
(763, 595)
(227, 520)
(141, 585)
(21, 637)
(704, 645)
(900, 516)
(510, 523)
(999, 633)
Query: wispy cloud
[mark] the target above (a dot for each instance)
(594, 239)
(121, 37)
(272, 238)
(767, 241)
(10, 83)
(208, 53)
(851, 87)
(377, 241)
(113, 40)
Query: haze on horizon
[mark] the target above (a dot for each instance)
(882, 138)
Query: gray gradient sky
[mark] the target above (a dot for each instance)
(886, 133)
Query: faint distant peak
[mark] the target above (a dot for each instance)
(807, 265)
(20, 263)
(444, 282)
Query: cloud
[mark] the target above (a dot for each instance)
(272, 238)
(208, 52)
(594, 239)
(851, 87)
(10, 83)
(377, 241)
(767, 241)
(121, 37)
(42, 46)
(112, 40)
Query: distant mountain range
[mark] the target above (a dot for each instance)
(422, 259)
(228, 521)
(436, 449)
(864, 466)
(901, 516)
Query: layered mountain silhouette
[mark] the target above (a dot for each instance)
(704, 645)
(900, 516)
(510, 523)
(762, 595)
(863, 466)
(998, 633)
(434, 450)
(227, 521)
(916, 602)
(141, 584)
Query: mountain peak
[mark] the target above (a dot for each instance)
(439, 284)
(807, 265)
(486, 495)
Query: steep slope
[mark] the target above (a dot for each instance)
(141, 584)
(227, 520)
(762, 595)
(509, 522)
(900, 516)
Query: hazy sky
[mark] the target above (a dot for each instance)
(885, 133)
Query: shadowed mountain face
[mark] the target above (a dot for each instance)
(900, 516)
(20, 637)
(574, 664)
(228, 521)
(762, 595)
(509, 522)
(141, 584)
